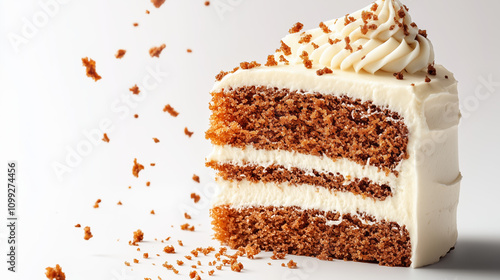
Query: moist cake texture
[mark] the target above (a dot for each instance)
(342, 146)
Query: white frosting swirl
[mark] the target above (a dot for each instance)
(382, 37)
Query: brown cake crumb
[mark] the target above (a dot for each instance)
(251, 251)
(169, 109)
(237, 266)
(180, 243)
(348, 44)
(196, 178)
(138, 237)
(412, 85)
(283, 59)
(189, 50)
(195, 197)
(278, 256)
(55, 273)
(296, 28)
(422, 33)
(136, 261)
(374, 7)
(271, 61)
(136, 116)
(186, 226)
(127, 263)
(78, 225)
(427, 79)
(87, 233)
(193, 274)
(324, 71)
(399, 75)
(285, 49)
(348, 20)
(188, 257)
(179, 262)
(135, 89)
(152, 212)
(136, 24)
(156, 51)
(268, 263)
(148, 12)
(305, 38)
(120, 53)
(219, 267)
(291, 264)
(152, 164)
(105, 138)
(431, 70)
(305, 59)
(193, 266)
(137, 168)
(207, 3)
(157, 3)
(90, 68)
(325, 28)
(169, 249)
(187, 216)
(187, 132)
(401, 12)
(156, 140)
(249, 65)
(148, 183)
(221, 75)
(211, 272)
(96, 204)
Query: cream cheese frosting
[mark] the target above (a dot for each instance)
(381, 36)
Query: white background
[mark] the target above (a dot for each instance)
(48, 106)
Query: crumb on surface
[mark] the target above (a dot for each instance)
(90, 68)
(305, 59)
(148, 12)
(105, 138)
(148, 183)
(157, 3)
(187, 227)
(180, 243)
(285, 48)
(189, 50)
(195, 197)
(136, 261)
(136, 24)
(207, 3)
(78, 225)
(156, 140)
(152, 164)
(399, 75)
(291, 264)
(249, 65)
(135, 89)
(427, 79)
(138, 237)
(137, 168)
(211, 272)
(96, 204)
(296, 28)
(169, 249)
(169, 109)
(120, 53)
(152, 212)
(324, 71)
(431, 70)
(87, 233)
(145, 255)
(179, 262)
(187, 132)
(156, 51)
(187, 216)
(127, 263)
(136, 116)
(278, 256)
(237, 266)
(55, 273)
(325, 28)
(196, 178)
(271, 61)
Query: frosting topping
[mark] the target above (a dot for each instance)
(381, 36)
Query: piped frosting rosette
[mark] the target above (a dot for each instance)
(381, 36)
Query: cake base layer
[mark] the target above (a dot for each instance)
(326, 235)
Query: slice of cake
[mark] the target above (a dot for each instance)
(343, 146)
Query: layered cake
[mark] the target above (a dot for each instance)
(343, 145)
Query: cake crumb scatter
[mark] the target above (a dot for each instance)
(157, 3)
(283, 59)
(120, 53)
(78, 225)
(187, 132)
(324, 71)
(156, 140)
(152, 164)
(237, 266)
(135, 89)
(152, 212)
(271, 61)
(179, 262)
(156, 51)
(187, 216)
(138, 237)
(169, 249)
(55, 273)
(187, 227)
(136, 24)
(325, 28)
(148, 12)
(333, 42)
(136, 261)
(145, 255)
(296, 28)
(285, 48)
(148, 183)
(90, 68)
(195, 197)
(180, 243)
(291, 264)
(196, 178)
(422, 33)
(431, 70)
(211, 272)
(96, 204)
(127, 263)
(374, 7)
(427, 79)
(105, 138)
(278, 256)
(169, 109)
(137, 168)
(348, 20)
(348, 44)
(207, 3)
(315, 46)
(189, 50)
(87, 233)
(305, 38)
(136, 116)
(399, 75)
(305, 59)
(249, 65)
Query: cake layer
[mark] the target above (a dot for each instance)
(296, 176)
(312, 232)
(309, 123)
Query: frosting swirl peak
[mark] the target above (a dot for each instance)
(381, 36)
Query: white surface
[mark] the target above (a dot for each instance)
(47, 103)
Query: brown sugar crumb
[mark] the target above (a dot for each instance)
(283, 264)
(119, 203)
(169, 249)
(207, 3)
(188, 257)
(187, 132)
(136, 116)
(374, 7)
(135, 89)
(323, 71)
(152, 164)
(283, 59)
(138, 237)
(105, 138)
(251, 251)
(271, 61)
(249, 65)
(285, 48)
(427, 79)
(145, 255)
(221, 75)
(179, 262)
(189, 50)
(305, 38)
(412, 85)
(137, 168)
(156, 140)
(296, 28)
(291, 264)
(237, 266)
(399, 75)
(148, 184)
(136, 24)
(422, 33)
(431, 70)
(152, 212)
(157, 3)
(87, 232)
(127, 263)
(55, 273)
(348, 44)
(187, 227)
(193, 266)
(333, 42)
(348, 20)
(211, 272)
(156, 51)
(196, 178)
(90, 68)
(194, 253)
(324, 27)
(219, 267)
(148, 12)
(169, 109)
(120, 53)
(138, 249)
(305, 59)
(193, 274)
(268, 263)
(96, 204)
(136, 261)
(78, 225)
(187, 216)
(195, 197)
(180, 243)
(278, 256)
